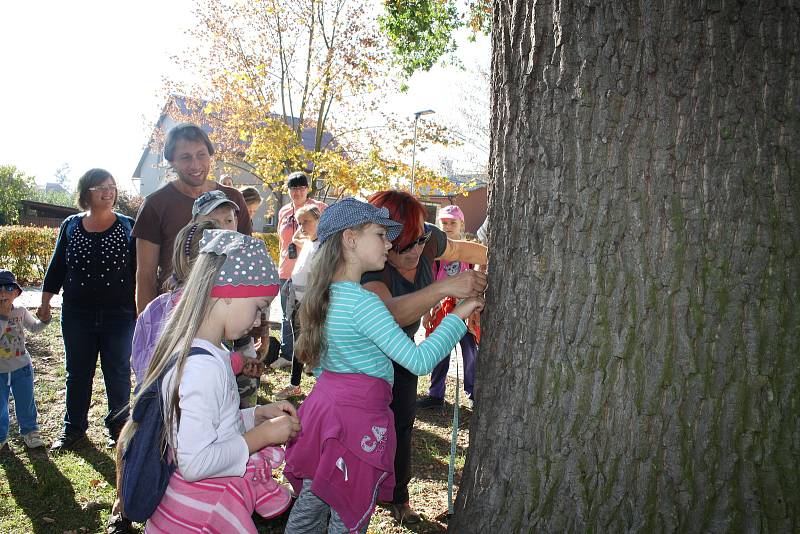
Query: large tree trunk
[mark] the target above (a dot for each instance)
(639, 369)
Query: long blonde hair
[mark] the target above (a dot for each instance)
(175, 341)
(327, 260)
(187, 241)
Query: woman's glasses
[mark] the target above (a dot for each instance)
(104, 188)
(421, 241)
(8, 287)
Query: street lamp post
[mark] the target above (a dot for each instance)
(417, 115)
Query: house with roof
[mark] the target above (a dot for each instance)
(474, 202)
(153, 171)
(35, 213)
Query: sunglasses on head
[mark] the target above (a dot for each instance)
(8, 287)
(421, 241)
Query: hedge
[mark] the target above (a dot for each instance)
(26, 251)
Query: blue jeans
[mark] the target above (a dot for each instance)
(469, 349)
(287, 339)
(87, 334)
(20, 384)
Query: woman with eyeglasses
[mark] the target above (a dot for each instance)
(408, 288)
(94, 262)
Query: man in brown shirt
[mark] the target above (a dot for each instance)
(165, 211)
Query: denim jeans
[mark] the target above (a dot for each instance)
(310, 515)
(87, 334)
(287, 339)
(468, 351)
(20, 384)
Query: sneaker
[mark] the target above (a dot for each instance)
(33, 440)
(288, 391)
(66, 442)
(403, 514)
(280, 363)
(113, 436)
(428, 402)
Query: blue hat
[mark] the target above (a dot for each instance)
(350, 212)
(8, 278)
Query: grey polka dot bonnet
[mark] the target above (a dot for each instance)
(248, 270)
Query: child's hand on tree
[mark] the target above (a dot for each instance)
(466, 307)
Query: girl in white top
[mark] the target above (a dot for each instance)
(220, 450)
(306, 240)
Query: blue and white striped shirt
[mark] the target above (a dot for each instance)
(362, 337)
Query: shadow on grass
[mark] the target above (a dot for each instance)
(424, 526)
(100, 460)
(276, 525)
(443, 417)
(47, 498)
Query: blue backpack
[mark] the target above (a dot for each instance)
(145, 470)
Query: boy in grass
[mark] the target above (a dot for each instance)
(16, 371)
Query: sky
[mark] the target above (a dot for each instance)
(83, 83)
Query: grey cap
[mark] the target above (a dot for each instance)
(350, 212)
(209, 201)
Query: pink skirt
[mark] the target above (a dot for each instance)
(224, 504)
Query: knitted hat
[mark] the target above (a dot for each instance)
(248, 270)
(350, 212)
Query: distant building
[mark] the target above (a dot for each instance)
(474, 204)
(153, 171)
(55, 187)
(35, 213)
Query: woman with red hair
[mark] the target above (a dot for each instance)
(407, 287)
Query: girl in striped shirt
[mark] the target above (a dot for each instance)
(343, 458)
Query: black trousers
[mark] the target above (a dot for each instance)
(404, 406)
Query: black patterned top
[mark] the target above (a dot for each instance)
(97, 270)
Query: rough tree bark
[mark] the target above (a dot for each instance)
(639, 370)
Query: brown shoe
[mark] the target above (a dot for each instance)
(403, 514)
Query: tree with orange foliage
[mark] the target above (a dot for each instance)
(294, 85)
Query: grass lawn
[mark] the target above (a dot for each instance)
(73, 492)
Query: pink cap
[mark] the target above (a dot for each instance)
(451, 212)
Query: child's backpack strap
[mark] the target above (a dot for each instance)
(146, 465)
